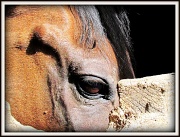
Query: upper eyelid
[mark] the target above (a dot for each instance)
(92, 78)
(94, 81)
(74, 77)
(76, 71)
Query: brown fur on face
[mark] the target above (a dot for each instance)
(42, 53)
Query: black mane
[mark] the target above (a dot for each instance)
(115, 21)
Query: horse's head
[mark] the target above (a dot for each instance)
(63, 65)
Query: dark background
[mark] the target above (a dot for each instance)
(153, 38)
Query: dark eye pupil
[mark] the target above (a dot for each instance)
(92, 90)
(91, 87)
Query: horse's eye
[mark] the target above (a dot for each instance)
(92, 87)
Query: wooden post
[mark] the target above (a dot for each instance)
(146, 104)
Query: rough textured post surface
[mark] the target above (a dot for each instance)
(146, 104)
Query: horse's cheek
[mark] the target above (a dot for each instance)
(91, 118)
(27, 91)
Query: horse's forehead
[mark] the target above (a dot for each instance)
(43, 10)
(60, 18)
(27, 18)
(63, 22)
(36, 15)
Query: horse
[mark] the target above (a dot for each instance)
(63, 63)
